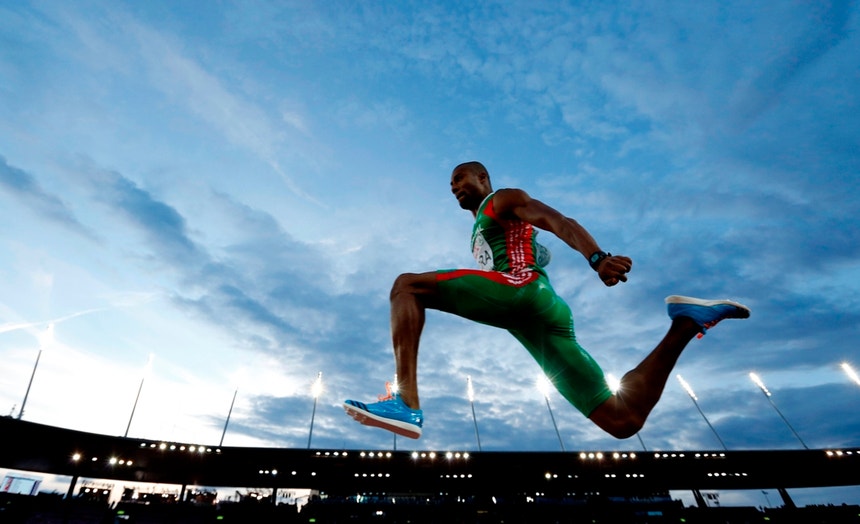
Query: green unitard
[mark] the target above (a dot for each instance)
(511, 291)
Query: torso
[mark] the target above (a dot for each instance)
(503, 244)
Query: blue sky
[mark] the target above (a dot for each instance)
(216, 196)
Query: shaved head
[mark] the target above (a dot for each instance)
(474, 167)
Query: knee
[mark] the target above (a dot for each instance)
(624, 429)
(404, 283)
(618, 422)
(415, 286)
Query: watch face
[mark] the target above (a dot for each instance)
(595, 257)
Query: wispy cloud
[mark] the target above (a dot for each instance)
(25, 188)
(32, 325)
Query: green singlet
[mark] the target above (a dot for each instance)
(511, 291)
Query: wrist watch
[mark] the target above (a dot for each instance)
(597, 257)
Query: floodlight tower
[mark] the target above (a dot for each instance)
(470, 391)
(146, 371)
(690, 392)
(230, 412)
(45, 339)
(758, 382)
(615, 386)
(846, 367)
(544, 386)
(316, 389)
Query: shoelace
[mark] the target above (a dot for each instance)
(389, 395)
(706, 327)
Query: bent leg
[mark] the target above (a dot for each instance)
(547, 332)
(411, 295)
(624, 414)
(487, 297)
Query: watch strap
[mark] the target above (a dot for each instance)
(596, 258)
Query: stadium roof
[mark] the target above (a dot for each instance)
(40, 448)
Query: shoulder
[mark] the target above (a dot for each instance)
(506, 201)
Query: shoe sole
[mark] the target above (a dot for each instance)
(395, 426)
(742, 310)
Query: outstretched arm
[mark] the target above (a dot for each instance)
(516, 202)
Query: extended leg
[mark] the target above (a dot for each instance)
(623, 414)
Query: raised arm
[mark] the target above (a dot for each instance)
(517, 203)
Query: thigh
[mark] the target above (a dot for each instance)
(572, 370)
(483, 296)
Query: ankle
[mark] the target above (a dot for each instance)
(410, 400)
(686, 326)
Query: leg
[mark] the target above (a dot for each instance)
(411, 295)
(624, 413)
(481, 296)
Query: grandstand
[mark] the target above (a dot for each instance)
(409, 486)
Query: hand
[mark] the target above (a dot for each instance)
(613, 269)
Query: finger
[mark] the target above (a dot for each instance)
(622, 265)
(625, 262)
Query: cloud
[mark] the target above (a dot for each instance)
(164, 228)
(792, 54)
(30, 326)
(27, 189)
(240, 121)
(160, 61)
(269, 292)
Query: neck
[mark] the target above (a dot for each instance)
(481, 203)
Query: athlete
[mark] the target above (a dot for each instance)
(511, 290)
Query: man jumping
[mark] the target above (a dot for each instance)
(511, 290)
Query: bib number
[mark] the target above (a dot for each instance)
(482, 252)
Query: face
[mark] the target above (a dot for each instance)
(469, 188)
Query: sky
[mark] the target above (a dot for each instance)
(204, 201)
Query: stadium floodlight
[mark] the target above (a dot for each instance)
(470, 392)
(846, 367)
(545, 386)
(146, 371)
(614, 384)
(690, 392)
(758, 382)
(316, 390)
(45, 339)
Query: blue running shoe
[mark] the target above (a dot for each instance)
(706, 313)
(389, 413)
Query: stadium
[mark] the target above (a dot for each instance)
(233, 192)
(401, 486)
